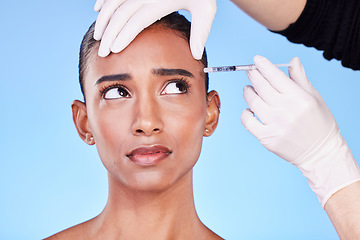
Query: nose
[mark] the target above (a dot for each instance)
(147, 118)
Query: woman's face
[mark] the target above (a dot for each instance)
(146, 110)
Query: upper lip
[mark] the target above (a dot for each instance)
(148, 150)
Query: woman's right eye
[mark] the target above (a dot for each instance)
(115, 93)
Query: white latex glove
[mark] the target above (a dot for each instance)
(119, 21)
(296, 125)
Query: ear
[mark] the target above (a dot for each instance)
(80, 119)
(212, 113)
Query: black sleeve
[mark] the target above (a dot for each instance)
(332, 26)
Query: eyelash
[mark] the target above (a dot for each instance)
(105, 89)
(180, 80)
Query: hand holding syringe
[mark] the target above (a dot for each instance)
(239, 68)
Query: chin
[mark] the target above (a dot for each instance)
(152, 181)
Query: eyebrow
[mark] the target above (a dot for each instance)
(115, 77)
(171, 72)
(156, 71)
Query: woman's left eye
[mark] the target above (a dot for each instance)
(176, 87)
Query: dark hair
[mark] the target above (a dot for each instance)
(174, 22)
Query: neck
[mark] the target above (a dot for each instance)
(168, 214)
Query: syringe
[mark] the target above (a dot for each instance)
(238, 68)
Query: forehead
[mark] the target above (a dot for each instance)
(153, 48)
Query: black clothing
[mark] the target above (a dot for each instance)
(332, 26)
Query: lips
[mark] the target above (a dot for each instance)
(148, 155)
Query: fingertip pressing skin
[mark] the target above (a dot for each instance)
(122, 40)
(125, 24)
(118, 46)
(200, 29)
(127, 34)
(97, 36)
(202, 12)
(105, 44)
(197, 43)
(196, 52)
(103, 52)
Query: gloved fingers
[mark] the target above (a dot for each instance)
(257, 105)
(143, 18)
(251, 123)
(116, 24)
(98, 5)
(277, 78)
(108, 8)
(297, 74)
(263, 88)
(200, 28)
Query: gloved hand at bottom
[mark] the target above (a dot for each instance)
(296, 125)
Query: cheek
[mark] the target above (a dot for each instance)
(108, 123)
(192, 124)
(110, 128)
(186, 125)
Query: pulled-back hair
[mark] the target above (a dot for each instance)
(174, 22)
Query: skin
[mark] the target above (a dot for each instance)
(148, 199)
(276, 15)
(343, 207)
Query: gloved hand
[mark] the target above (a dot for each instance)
(296, 125)
(119, 21)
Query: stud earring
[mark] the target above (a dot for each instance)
(89, 138)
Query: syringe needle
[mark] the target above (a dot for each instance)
(238, 68)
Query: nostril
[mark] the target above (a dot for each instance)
(139, 131)
(142, 131)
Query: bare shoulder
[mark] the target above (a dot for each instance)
(77, 232)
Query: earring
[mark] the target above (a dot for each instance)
(207, 130)
(89, 138)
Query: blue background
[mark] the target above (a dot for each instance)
(51, 180)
